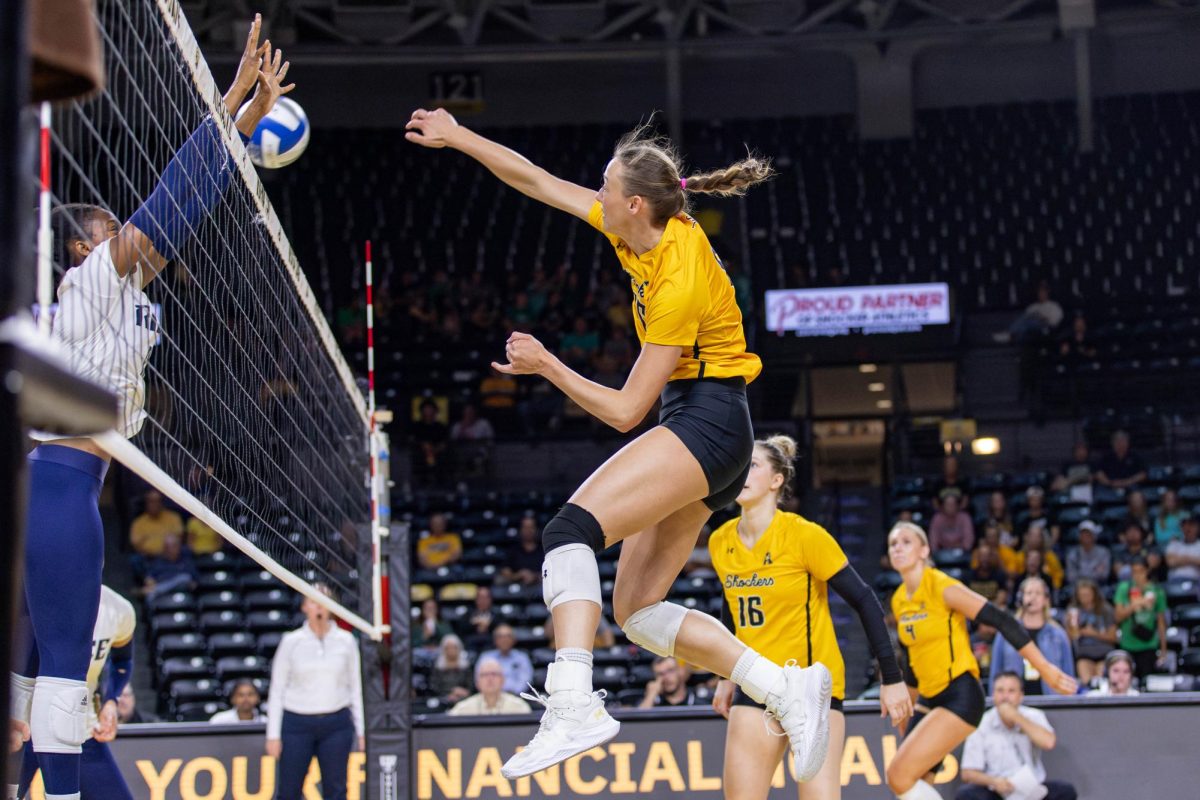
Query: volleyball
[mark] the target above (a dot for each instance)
(281, 137)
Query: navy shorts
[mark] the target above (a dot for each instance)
(712, 418)
(963, 698)
(740, 698)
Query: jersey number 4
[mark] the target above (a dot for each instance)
(912, 633)
(750, 613)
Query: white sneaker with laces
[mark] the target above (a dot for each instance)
(801, 706)
(573, 723)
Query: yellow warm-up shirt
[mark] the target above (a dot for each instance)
(682, 297)
(939, 649)
(777, 592)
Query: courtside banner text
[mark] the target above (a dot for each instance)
(835, 311)
(1142, 747)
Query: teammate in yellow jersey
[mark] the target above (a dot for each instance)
(657, 492)
(931, 611)
(776, 568)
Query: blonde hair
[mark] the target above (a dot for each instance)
(781, 453)
(652, 169)
(917, 531)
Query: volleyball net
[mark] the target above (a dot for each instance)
(253, 422)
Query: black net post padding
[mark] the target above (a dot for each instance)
(387, 678)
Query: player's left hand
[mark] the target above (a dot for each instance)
(18, 735)
(270, 77)
(105, 729)
(247, 71)
(526, 356)
(1060, 681)
(895, 703)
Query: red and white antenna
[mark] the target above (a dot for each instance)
(45, 241)
(374, 438)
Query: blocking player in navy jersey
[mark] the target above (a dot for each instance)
(112, 644)
(107, 326)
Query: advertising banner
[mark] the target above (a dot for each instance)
(836, 311)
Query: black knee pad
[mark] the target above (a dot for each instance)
(572, 525)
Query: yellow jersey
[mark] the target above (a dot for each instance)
(939, 649)
(682, 297)
(777, 593)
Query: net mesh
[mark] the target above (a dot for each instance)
(249, 405)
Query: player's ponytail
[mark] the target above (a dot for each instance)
(781, 454)
(652, 169)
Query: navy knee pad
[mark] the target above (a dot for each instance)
(572, 525)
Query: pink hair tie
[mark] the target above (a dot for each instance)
(683, 183)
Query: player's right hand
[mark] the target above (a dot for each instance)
(723, 697)
(105, 729)
(18, 735)
(431, 128)
(274, 748)
(895, 703)
(1061, 682)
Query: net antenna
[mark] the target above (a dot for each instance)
(248, 416)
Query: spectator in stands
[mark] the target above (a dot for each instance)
(580, 346)
(1034, 566)
(518, 669)
(1003, 756)
(669, 686)
(429, 438)
(520, 315)
(438, 547)
(1035, 539)
(316, 703)
(153, 525)
(951, 527)
(1033, 612)
(450, 679)
(1077, 472)
(1168, 522)
(472, 436)
(1120, 468)
(243, 700)
(1077, 345)
(998, 513)
(430, 629)
(1036, 511)
(492, 697)
(1132, 548)
(1141, 613)
(523, 561)
(1119, 674)
(128, 711)
(1136, 513)
(173, 569)
(1089, 560)
(1183, 555)
(951, 480)
(1040, 318)
(201, 539)
(481, 620)
(987, 576)
(1010, 560)
(540, 409)
(1092, 626)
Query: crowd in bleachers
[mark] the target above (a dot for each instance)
(1102, 557)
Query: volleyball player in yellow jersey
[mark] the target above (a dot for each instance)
(776, 568)
(658, 491)
(931, 611)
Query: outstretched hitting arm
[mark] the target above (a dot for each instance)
(438, 128)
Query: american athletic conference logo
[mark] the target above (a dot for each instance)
(388, 790)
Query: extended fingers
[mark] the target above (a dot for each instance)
(507, 369)
(252, 36)
(282, 73)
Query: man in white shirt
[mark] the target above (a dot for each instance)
(518, 669)
(244, 700)
(1003, 757)
(1183, 555)
(1119, 672)
(491, 698)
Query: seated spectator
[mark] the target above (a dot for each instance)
(1141, 613)
(1120, 468)
(1168, 522)
(988, 577)
(1183, 555)
(492, 698)
(1136, 513)
(243, 701)
(951, 480)
(518, 669)
(1035, 499)
(1089, 560)
(480, 622)
(669, 686)
(472, 436)
(1119, 674)
(1133, 546)
(951, 527)
(1033, 611)
(451, 676)
(1035, 539)
(471, 427)
(1040, 318)
(1077, 344)
(1076, 473)
(201, 539)
(438, 547)
(1092, 627)
(1010, 560)
(520, 316)
(523, 560)
(1003, 756)
(153, 526)
(430, 629)
(1033, 567)
(173, 569)
(428, 437)
(998, 513)
(128, 711)
(580, 346)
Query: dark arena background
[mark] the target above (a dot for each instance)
(976, 269)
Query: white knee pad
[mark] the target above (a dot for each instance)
(20, 694)
(570, 573)
(58, 723)
(655, 627)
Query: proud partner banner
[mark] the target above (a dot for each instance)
(1105, 747)
(868, 309)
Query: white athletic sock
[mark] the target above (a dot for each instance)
(575, 654)
(756, 675)
(920, 791)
